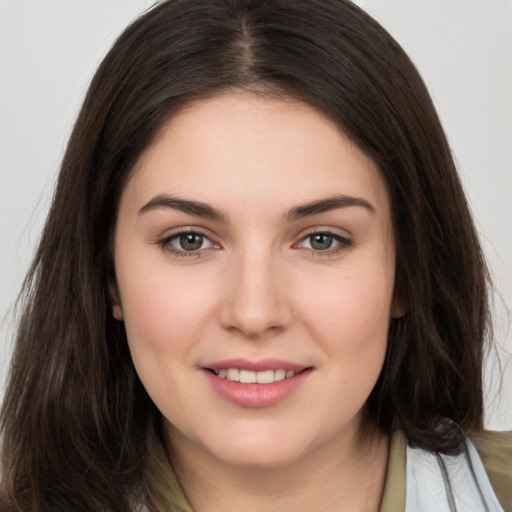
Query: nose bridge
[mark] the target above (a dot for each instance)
(256, 300)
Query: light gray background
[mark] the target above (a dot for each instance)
(49, 50)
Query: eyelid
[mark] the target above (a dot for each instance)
(332, 231)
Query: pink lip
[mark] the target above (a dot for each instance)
(256, 395)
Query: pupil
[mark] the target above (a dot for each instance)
(191, 241)
(321, 242)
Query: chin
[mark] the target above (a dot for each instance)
(262, 456)
(261, 447)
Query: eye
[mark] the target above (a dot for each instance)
(324, 241)
(187, 243)
(190, 241)
(320, 241)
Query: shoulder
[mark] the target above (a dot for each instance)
(495, 450)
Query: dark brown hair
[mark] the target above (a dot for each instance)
(76, 419)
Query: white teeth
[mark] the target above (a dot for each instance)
(265, 377)
(233, 374)
(279, 375)
(247, 377)
(250, 377)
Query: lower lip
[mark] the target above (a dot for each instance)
(256, 395)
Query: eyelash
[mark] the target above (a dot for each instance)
(166, 244)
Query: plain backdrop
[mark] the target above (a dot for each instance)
(49, 50)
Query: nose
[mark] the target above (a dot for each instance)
(255, 299)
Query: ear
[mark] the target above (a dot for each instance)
(117, 310)
(398, 308)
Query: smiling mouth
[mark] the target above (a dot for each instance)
(252, 377)
(256, 384)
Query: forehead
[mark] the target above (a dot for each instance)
(239, 148)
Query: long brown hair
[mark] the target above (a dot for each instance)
(76, 419)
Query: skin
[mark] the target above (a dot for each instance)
(257, 289)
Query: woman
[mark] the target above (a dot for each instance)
(259, 286)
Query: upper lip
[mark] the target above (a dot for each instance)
(255, 366)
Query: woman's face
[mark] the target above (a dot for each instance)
(254, 243)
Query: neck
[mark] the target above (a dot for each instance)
(345, 474)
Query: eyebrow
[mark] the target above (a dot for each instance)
(195, 208)
(328, 204)
(204, 210)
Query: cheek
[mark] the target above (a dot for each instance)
(165, 317)
(350, 313)
(163, 311)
